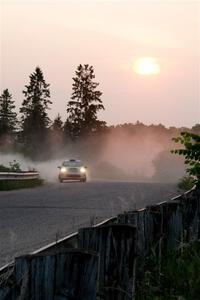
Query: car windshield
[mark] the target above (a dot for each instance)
(76, 164)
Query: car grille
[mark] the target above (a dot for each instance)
(73, 170)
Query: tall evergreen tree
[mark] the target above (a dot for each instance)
(57, 125)
(35, 120)
(8, 117)
(56, 137)
(85, 103)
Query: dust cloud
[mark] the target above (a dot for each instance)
(132, 155)
(143, 156)
(47, 169)
(116, 155)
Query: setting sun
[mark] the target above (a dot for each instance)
(146, 66)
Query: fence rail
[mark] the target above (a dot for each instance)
(18, 176)
(69, 241)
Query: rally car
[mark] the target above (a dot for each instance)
(72, 169)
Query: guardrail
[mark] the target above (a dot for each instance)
(18, 176)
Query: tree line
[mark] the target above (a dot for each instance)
(34, 134)
(34, 124)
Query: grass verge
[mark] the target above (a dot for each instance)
(7, 185)
(175, 277)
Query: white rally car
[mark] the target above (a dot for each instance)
(72, 169)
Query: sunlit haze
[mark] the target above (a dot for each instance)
(146, 66)
(123, 40)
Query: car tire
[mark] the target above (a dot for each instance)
(83, 180)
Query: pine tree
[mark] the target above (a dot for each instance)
(35, 120)
(56, 134)
(57, 125)
(84, 105)
(8, 118)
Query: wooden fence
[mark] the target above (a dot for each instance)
(69, 275)
(110, 262)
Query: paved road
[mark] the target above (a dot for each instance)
(31, 218)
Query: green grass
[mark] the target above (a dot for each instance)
(176, 277)
(7, 185)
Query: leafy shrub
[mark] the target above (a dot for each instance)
(14, 166)
(191, 153)
(4, 169)
(186, 183)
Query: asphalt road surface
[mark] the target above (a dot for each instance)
(32, 218)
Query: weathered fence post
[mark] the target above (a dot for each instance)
(191, 215)
(116, 247)
(143, 221)
(63, 276)
(158, 227)
(159, 221)
(167, 224)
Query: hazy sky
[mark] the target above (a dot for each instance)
(110, 35)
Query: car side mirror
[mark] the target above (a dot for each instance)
(85, 167)
(59, 167)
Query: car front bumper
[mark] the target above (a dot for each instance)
(71, 176)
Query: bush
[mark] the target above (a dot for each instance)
(191, 153)
(4, 169)
(14, 166)
(186, 183)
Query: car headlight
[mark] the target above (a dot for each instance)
(82, 170)
(63, 170)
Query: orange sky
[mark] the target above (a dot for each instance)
(110, 35)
